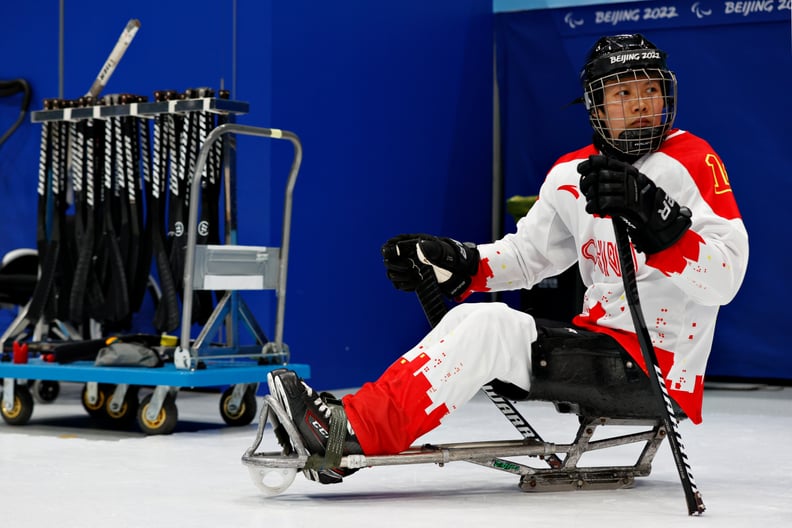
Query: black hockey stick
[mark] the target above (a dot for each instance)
(202, 299)
(130, 204)
(67, 210)
(56, 217)
(120, 202)
(177, 145)
(193, 132)
(435, 308)
(84, 222)
(166, 316)
(692, 495)
(87, 299)
(141, 154)
(113, 278)
(48, 245)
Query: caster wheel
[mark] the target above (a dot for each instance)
(96, 409)
(21, 410)
(45, 391)
(166, 419)
(272, 481)
(126, 416)
(246, 411)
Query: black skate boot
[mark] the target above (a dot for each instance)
(315, 417)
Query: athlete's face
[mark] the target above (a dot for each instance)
(631, 103)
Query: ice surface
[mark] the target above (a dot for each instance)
(62, 470)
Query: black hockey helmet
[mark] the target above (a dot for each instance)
(623, 57)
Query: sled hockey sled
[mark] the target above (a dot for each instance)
(273, 472)
(621, 399)
(580, 372)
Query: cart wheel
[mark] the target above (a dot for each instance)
(126, 416)
(45, 391)
(97, 408)
(22, 409)
(164, 423)
(246, 411)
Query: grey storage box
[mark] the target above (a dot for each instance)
(226, 267)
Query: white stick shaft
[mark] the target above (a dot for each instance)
(115, 57)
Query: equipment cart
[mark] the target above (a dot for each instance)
(111, 392)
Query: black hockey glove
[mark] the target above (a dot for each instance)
(401, 261)
(617, 189)
(453, 263)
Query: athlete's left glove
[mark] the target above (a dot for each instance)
(453, 263)
(615, 188)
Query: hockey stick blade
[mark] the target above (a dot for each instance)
(435, 308)
(114, 58)
(695, 503)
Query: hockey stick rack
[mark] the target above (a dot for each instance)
(64, 329)
(210, 360)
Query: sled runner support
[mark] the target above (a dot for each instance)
(273, 472)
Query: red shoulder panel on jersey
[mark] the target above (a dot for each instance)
(580, 154)
(707, 170)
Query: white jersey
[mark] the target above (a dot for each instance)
(681, 288)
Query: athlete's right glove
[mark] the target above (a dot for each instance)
(615, 188)
(453, 263)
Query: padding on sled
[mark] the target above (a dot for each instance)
(587, 374)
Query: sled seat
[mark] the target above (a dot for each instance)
(588, 374)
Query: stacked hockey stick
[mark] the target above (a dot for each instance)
(48, 300)
(112, 202)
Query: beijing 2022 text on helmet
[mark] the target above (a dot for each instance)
(624, 58)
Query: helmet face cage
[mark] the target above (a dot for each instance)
(624, 58)
(634, 141)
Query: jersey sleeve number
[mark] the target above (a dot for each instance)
(719, 176)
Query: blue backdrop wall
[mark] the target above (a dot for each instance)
(733, 63)
(393, 105)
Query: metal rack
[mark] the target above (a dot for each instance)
(111, 392)
(234, 267)
(148, 109)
